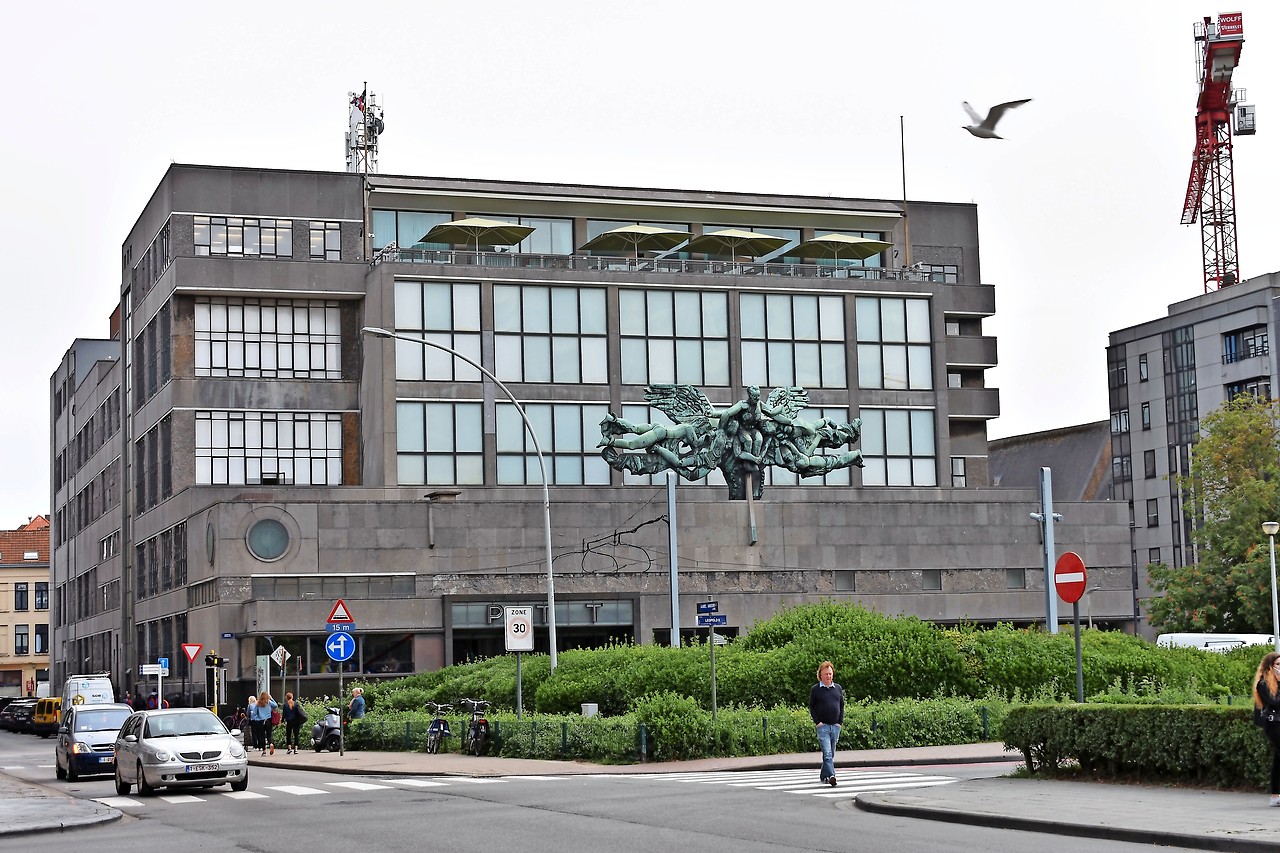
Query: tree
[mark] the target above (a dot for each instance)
(1232, 487)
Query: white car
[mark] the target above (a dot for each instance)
(178, 748)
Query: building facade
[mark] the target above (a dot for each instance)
(1163, 376)
(249, 457)
(24, 608)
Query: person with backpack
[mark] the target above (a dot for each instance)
(294, 716)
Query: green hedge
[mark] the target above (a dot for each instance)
(1217, 746)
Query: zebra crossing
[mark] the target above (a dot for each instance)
(805, 782)
(273, 791)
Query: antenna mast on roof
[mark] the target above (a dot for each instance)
(365, 126)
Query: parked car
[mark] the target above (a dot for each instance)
(44, 721)
(17, 716)
(178, 748)
(87, 740)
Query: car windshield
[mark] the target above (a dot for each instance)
(181, 725)
(100, 721)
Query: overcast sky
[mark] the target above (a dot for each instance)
(1079, 206)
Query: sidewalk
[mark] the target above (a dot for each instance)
(1206, 820)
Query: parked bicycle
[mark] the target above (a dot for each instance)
(477, 741)
(439, 728)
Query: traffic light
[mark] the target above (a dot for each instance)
(214, 661)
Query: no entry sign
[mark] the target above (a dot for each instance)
(1069, 577)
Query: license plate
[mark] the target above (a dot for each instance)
(107, 759)
(201, 768)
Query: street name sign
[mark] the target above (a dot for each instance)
(711, 619)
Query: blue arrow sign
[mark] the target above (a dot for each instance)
(706, 619)
(340, 646)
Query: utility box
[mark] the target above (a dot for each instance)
(590, 709)
(1245, 120)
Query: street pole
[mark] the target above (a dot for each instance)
(1271, 528)
(674, 562)
(1046, 516)
(542, 468)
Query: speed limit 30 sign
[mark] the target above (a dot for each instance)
(519, 628)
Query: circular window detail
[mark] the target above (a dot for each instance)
(268, 539)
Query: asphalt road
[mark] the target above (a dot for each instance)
(731, 812)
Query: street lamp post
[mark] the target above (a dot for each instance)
(1270, 528)
(546, 493)
(1088, 598)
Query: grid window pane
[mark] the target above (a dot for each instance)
(681, 335)
(800, 334)
(240, 338)
(239, 446)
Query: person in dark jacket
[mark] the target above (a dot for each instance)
(292, 715)
(1266, 704)
(826, 707)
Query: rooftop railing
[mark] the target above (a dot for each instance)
(675, 265)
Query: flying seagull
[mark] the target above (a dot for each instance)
(986, 128)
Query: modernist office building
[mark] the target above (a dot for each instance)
(1163, 376)
(237, 456)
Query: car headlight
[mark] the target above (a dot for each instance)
(236, 750)
(77, 748)
(164, 755)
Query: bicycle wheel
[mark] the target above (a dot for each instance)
(433, 743)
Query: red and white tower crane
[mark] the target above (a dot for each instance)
(1211, 188)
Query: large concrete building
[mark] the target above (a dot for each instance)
(237, 456)
(1165, 374)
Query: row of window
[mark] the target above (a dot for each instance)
(281, 448)
(22, 640)
(22, 595)
(160, 563)
(560, 335)
(101, 426)
(442, 443)
(268, 338)
(258, 237)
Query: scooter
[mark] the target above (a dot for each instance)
(327, 734)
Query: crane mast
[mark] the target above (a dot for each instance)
(1211, 187)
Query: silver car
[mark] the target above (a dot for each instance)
(178, 748)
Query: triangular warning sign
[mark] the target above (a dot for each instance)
(191, 650)
(340, 613)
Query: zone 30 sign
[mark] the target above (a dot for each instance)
(519, 628)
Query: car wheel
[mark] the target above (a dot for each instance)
(143, 787)
(242, 783)
(71, 773)
(57, 769)
(122, 787)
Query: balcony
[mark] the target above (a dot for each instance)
(970, 351)
(974, 404)
(597, 263)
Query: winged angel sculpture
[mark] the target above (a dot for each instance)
(740, 440)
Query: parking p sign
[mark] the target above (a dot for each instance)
(519, 628)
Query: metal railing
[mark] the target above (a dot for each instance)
(672, 265)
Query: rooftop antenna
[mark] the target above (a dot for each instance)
(364, 128)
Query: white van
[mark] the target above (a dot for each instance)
(1214, 642)
(92, 689)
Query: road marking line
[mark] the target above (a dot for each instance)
(180, 798)
(359, 786)
(295, 789)
(420, 783)
(117, 802)
(244, 795)
(536, 778)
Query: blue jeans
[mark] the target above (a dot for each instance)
(828, 737)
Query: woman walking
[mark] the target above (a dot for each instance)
(293, 715)
(263, 729)
(1266, 711)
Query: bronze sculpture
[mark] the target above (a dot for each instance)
(740, 440)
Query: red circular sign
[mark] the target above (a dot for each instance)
(1069, 577)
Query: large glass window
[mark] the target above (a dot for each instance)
(793, 340)
(674, 336)
(448, 314)
(406, 228)
(243, 236)
(281, 448)
(42, 595)
(550, 236)
(894, 343)
(268, 338)
(22, 639)
(898, 447)
(42, 639)
(20, 599)
(550, 334)
(439, 443)
(567, 433)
